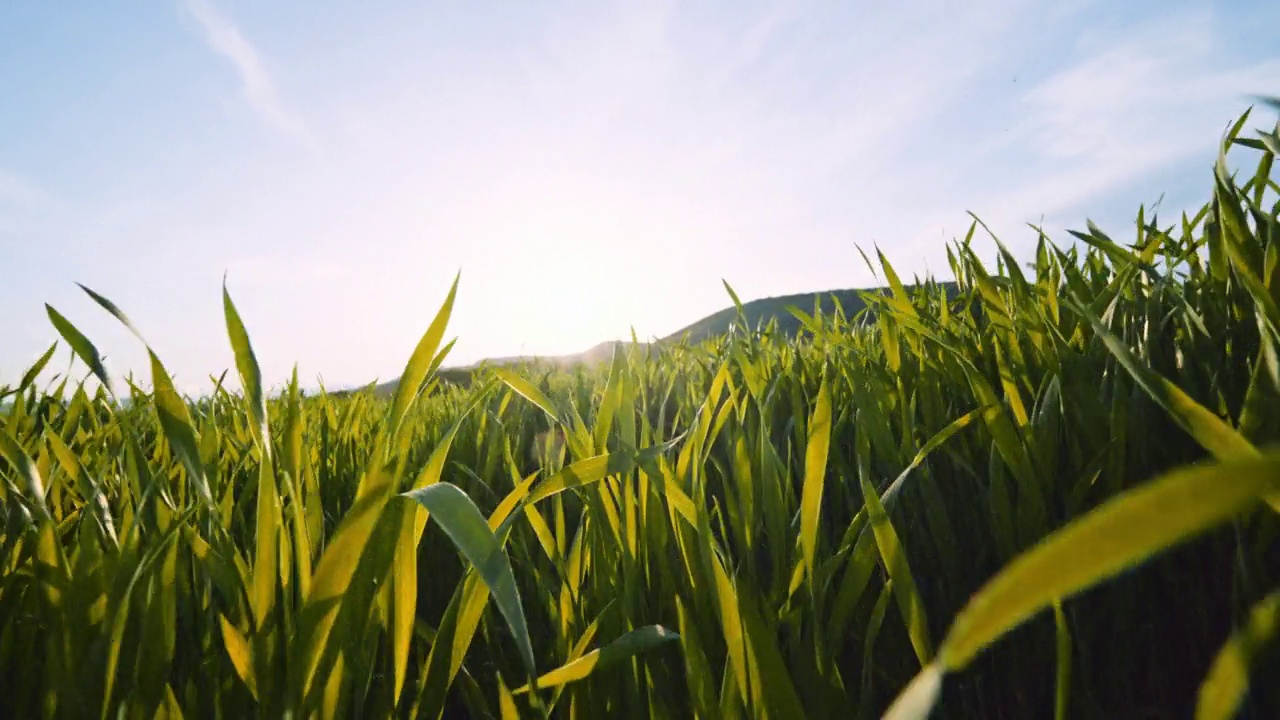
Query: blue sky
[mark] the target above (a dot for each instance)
(589, 167)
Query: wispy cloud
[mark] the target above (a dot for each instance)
(1131, 112)
(225, 39)
(1140, 105)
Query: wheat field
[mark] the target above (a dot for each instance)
(1050, 491)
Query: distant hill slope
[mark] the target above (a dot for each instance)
(758, 313)
(461, 375)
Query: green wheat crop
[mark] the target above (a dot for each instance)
(1049, 490)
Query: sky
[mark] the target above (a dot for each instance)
(588, 168)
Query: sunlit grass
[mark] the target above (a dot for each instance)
(1047, 490)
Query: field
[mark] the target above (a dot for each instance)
(1043, 492)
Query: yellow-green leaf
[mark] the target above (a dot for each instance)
(250, 374)
(470, 533)
(80, 344)
(815, 472)
(917, 700)
(420, 363)
(624, 648)
(241, 656)
(1228, 678)
(904, 584)
(1121, 533)
(527, 390)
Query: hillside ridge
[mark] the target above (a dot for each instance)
(758, 312)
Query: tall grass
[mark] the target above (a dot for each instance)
(1044, 492)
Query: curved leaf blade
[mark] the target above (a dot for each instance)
(114, 310)
(26, 468)
(919, 697)
(419, 366)
(466, 527)
(250, 374)
(176, 423)
(30, 375)
(1228, 679)
(624, 648)
(815, 472)
(241, 656)
(904, 585)
(526, 389)
(1117, 535)
(81, 346)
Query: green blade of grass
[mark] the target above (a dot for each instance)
(90, 489)
(594, 469)
(404, 576)
(506, 702)
(698, 669)
(584, 472)
(731, 623)
(26, 468)
(470, 533)
(250, 374)
(895, 563)
(1118, 535)
(526, 389)
(734, 296)
(890, 495)
(266, 558)
(623, 648)
(330, 581)
(115, 311)
(1062, 686)
(869, 644)
(176, 423)
(80, 344)
(815, 471)
(1121, 533)
(241, 656)
(30, 375)
(1207, 428)
(917, 700)
(775, 687)
(461, 619)
(420, 362)
(1228, 679)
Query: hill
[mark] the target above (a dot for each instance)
(758, 313)
(461, 375)
(761, 312)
